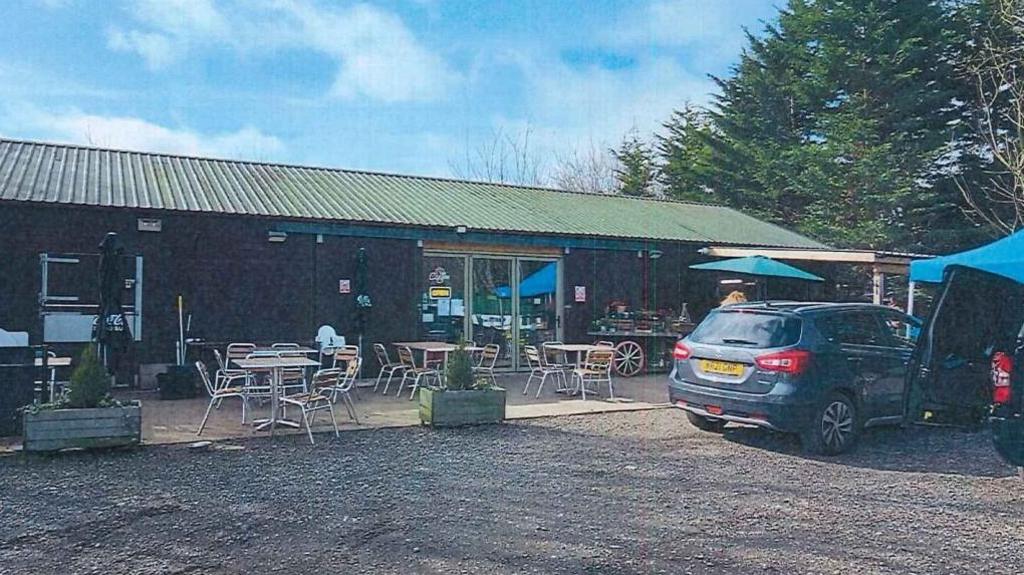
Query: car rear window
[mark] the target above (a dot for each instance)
(748, 329)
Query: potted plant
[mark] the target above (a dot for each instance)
(86, 417)
(464, 399)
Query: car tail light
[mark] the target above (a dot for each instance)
(681, 351)
(1002, 367)
(790, 361)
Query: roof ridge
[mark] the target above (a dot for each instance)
(96, 148)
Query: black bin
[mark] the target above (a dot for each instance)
(179, 382)
(18, 373)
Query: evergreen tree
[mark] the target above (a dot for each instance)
(684, 154)
(837, 122)
(635, 170)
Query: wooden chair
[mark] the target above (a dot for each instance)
(596, 368)
(316, 399)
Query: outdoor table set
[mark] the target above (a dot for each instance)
(592, 365)
(276, 366)
(284, 367)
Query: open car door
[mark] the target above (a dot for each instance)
(975, 329)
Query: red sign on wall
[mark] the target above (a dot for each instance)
(344, 286)
(581, 294)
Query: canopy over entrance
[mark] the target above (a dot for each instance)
(1004, 257)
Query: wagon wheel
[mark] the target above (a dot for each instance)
(629, 358)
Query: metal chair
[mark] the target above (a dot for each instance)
(538, 369)
(345, 354)
(257, 382)
(488, 359)
(344, 385)
(218, 393)
(285, 346)
(554, 357)
(316, 399)
(413, 372)
(596, 368)
(387, 367)
(292, 378)
(604, 343)
(227, 373)
(238, 351)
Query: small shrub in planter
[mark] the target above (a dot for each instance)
(465, 400)
(86, 417)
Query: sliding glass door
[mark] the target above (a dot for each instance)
(493, 311)
(508, 300)
(537, 301)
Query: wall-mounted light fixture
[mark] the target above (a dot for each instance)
(460, 229)
(731, 282)
(655, 254)
(276, 237)
(567, 250)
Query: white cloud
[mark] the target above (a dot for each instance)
(374, 53)
(130, 133)
(577, 107)
(156, 49)
(713, 30)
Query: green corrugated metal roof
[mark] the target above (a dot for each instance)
(68, 174)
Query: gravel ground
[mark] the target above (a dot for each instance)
(621, 493)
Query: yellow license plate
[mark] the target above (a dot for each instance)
(721, 367)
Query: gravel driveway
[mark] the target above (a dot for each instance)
(622, 493)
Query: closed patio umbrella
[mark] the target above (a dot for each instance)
(111, 331)
(363, 302)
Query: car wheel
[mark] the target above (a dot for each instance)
(835, 428)
(706, 423)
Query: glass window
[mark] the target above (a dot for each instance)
(443, 299)
(903, 329)
(858, 328)
(758, 330)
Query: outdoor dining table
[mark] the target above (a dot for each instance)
(275, 365)
(267, 350)
(578, 348)
(428, 347)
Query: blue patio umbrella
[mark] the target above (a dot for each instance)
(540, 282)
(758, 266)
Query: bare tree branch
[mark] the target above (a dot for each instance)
(998, 73)
(590, 170)
(504, 158)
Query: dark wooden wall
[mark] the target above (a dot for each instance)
(640, 282)
(237, 285)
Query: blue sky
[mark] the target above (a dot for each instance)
(399, 86)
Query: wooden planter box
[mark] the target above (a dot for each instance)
(446, 408)
(54, 429)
